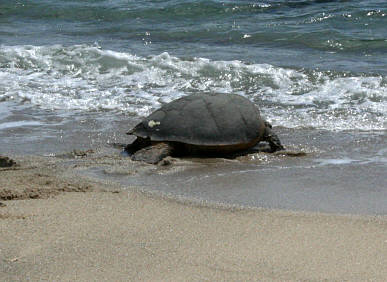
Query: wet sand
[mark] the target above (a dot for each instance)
(56, 225)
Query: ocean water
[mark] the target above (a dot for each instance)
(79, 74)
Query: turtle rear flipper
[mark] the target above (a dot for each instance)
(154, 153)
(136, 145)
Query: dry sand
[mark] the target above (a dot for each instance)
(58, 227)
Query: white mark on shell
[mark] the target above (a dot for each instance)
(153, 123)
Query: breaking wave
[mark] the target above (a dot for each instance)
(88, 78)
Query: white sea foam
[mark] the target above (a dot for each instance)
(13, 124)
(86, 78)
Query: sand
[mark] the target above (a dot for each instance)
(59, 227)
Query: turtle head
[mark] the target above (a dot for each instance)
(267, 129)
(268, 125)
(272, 138)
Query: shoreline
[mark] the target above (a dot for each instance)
(72, 228)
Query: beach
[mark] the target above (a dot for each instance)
(76, 76)
(61, 227)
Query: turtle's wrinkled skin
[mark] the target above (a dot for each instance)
(201, 124)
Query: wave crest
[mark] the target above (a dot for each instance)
(87, 78)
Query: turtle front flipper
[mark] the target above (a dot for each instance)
(154, 153)
(272, 138)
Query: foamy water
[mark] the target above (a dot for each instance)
(87, 78)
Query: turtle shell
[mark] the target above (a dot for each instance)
(204, 120)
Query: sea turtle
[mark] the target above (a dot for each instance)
(201, 124)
